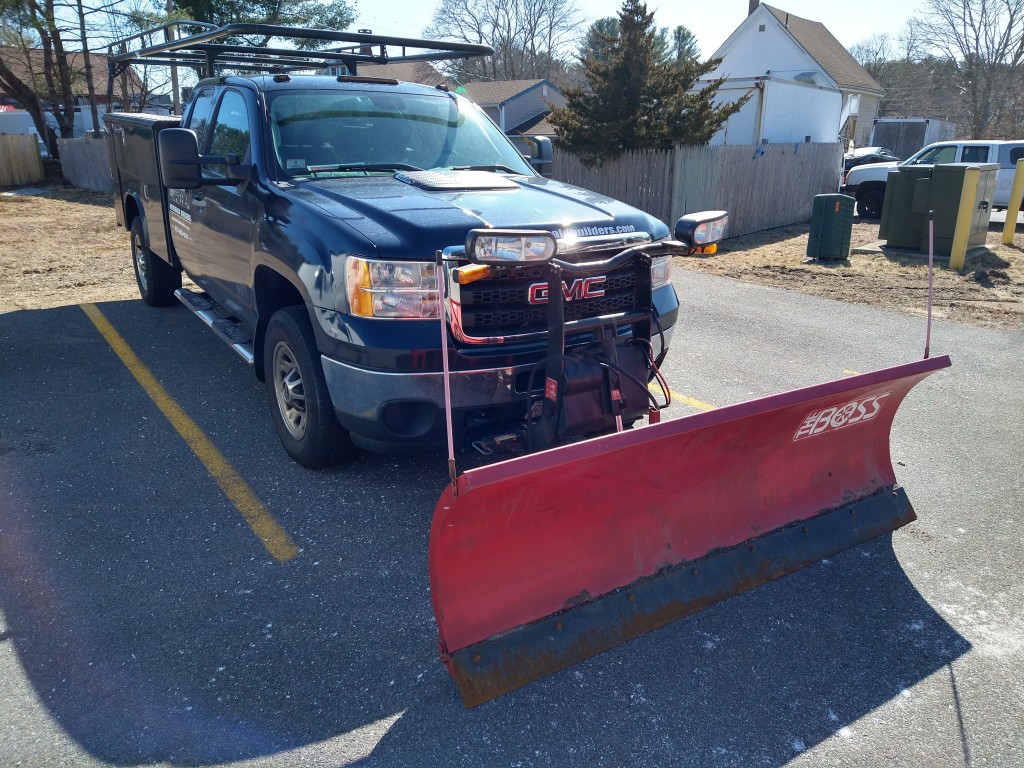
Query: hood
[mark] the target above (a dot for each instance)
(873, 166)
(416, 213)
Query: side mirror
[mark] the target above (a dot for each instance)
(541, 155)
(701, 229)
(181, 165)
(179, 158)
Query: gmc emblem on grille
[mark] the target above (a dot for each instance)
(580, 288)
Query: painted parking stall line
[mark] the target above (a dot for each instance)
(700, 405)
(678, 397)
(276, 540)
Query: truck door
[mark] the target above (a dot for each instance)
(224, 217)
(199, 116)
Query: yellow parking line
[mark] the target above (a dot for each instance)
(677, 397)
(848, 372)
(278, 543)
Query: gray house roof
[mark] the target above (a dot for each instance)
(498, 92)
(515, 106)
(822, 46)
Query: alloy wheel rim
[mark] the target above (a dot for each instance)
(291, 395)
(140, 266)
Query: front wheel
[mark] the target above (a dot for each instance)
(157, 280)
(869, 204)
(303, 413)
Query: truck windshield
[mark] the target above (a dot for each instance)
(318, 133)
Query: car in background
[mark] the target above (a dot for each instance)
(866, 183)
(865, 155)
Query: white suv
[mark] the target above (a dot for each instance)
(867, 182)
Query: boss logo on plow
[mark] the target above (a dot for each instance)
(580, 288)
(839, 416)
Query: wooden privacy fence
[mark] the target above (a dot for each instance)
(20, 163)
(83, 162)
(761, 187)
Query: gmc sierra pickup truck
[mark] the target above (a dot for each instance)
(312, 212)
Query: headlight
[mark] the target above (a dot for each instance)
(391, 289)
(504, 246)
(661, 271)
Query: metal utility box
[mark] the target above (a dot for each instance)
(960, 194)
(905, 208)
(831, 227)
(951, 197)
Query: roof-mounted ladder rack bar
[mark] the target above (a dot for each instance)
(204, 52)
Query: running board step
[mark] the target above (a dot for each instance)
(230, 329)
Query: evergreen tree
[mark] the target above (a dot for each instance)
(336, 16)
(639, 95)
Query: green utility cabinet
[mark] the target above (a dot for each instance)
(912, 191)
(831, 227)
(945, 196)
(905, 208)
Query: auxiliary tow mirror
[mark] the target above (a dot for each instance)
(541, 157)
(179, 158)
(702, 229)
(181, 165)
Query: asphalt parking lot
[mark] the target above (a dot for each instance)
(143, 620)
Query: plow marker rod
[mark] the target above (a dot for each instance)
(542, 561)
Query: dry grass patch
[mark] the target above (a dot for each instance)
(61, 248)
(989, 291)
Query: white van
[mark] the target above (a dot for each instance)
(20, 122)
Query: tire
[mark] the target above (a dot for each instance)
(302, 409)
(157, 280)
(869, 204)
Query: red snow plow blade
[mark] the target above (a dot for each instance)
(542, 561)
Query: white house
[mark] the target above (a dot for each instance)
(804, 85)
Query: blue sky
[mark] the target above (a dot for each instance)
(711, 21)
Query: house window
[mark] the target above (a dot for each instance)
(761, 28)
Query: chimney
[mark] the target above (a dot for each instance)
(753, 6)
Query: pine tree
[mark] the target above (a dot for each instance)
(638, 98)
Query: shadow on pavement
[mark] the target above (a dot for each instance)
(153, 626)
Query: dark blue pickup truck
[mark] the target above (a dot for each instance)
(316, 215)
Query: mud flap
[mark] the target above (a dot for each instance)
(542, 561)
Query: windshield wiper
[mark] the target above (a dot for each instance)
(373, 167)
(505, 168)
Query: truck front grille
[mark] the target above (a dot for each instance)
(500, 306)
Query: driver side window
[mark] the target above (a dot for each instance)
(945, 154)
(202, 111)
(230, 130)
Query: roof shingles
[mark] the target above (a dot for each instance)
(823, 47)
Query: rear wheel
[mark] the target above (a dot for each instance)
(869, 203)
(157, 280)
(303, 413)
